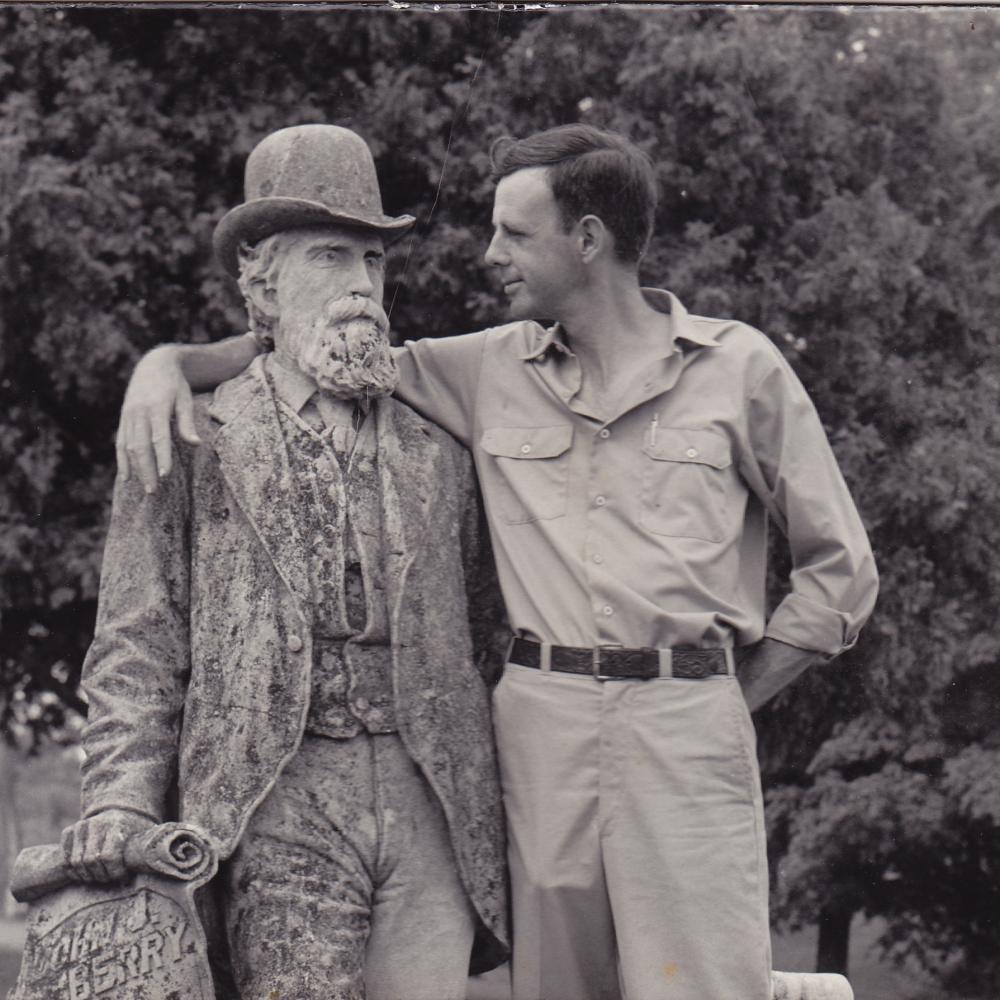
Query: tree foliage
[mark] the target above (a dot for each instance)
(827, 175)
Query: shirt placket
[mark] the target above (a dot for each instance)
(602, 500)
(605, 486)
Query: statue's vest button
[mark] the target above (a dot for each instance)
(294, 643)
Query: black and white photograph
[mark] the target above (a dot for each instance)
(499, 501)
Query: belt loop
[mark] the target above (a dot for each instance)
(666, 662)
(510, 649)
(730, 661)
(545, 660)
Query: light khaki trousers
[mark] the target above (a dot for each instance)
(636, 838)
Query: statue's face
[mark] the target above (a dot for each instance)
(329, 305)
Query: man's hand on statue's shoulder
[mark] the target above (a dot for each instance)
(160, 391)
(94, 848)
(157, 392)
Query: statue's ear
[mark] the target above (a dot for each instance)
(263, 294)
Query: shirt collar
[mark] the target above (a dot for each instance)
(294, 388)
(683, 327)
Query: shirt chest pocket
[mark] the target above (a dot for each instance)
(528, 471)
(685, 475)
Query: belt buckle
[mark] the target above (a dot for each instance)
(595, 664)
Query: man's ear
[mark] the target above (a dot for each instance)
(593, 238)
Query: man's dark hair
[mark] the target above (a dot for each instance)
(591, 172)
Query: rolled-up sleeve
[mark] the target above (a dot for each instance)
(790, 465)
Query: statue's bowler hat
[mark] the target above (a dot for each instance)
(307, 175)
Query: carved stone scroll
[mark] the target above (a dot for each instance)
(140, 940)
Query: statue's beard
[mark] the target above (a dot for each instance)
(345, 349)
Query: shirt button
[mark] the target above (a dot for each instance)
(608, 610)
(598, 558)
(294, 643)
(600, 501)
(361, 704)
(525, 448)
(605, 433)
(692, 453)
(330, 529)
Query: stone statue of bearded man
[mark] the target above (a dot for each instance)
(283, 655)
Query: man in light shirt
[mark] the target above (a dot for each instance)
(630, 456)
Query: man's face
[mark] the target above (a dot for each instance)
(534, 255)
(329, 304)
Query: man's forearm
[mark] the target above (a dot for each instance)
(207, 365)
(771, 666)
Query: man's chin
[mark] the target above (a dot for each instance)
(519, 307)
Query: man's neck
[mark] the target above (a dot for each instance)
(616, 334)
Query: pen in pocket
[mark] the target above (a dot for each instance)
(654, 423)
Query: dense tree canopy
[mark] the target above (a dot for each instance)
(828, 175)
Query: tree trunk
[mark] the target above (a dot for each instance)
(834, 938)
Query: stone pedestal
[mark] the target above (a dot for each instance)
(138, 940)
(809, 986)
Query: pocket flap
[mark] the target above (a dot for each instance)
(689, 444)
(527, 442)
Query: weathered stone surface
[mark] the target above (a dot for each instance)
(143, 942)
(205, 616)
(173, 850)
(137, 941)
(810, 986)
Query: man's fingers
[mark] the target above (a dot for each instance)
(184, 409)
(121, 454)
(138, 443)
(160, 436)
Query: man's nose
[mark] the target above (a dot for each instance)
(495, 254)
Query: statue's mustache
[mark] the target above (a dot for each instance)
(345, 308)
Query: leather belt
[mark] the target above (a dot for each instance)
(615, 663)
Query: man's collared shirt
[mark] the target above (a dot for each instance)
(649, 528)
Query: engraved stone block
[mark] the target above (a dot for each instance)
(140, 940)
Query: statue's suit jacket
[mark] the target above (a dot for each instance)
(198, 678)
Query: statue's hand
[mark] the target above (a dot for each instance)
(94, 848)
(157, 392)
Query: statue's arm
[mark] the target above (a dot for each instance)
(160, 390)
(135, 676)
